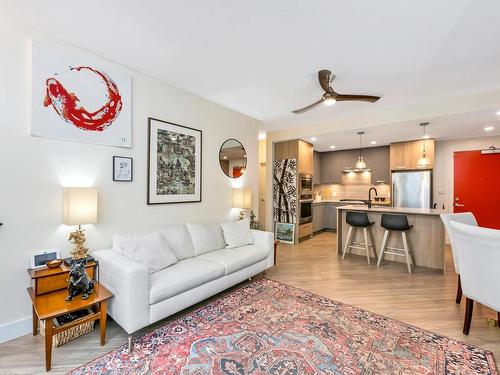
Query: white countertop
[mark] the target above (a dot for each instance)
(396, 210)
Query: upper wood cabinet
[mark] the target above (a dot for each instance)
(305, 162)
(405, 155)
(296, 149)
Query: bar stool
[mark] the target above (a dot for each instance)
(396, 222)
(359, 220)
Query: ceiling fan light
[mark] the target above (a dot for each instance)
(361, 163)
(329, 101)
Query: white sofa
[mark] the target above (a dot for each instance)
(204, 267)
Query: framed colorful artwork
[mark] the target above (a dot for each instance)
(122, 168)
(285, 232)
(174, 163)
(79, 98)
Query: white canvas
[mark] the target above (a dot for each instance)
(101, 115)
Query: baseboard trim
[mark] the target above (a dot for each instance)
(15, 329)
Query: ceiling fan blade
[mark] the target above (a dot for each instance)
(308, 107)
(324, 77)
(358, 98)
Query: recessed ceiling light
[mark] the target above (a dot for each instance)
(488, 128)
(224, 157)
(373, 142)
(332, 147)
(313, 139)
(498, 113)
(427, 136)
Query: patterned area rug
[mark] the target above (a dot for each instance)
(270, 328)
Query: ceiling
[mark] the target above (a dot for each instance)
(456, 126)
(261, 57)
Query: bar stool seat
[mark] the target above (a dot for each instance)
(399, 223)
(359, 220)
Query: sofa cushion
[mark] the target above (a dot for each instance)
(206, 237)
(237, 233)
(150, 250)
(176, 236)
(184, 275)
(236, 259)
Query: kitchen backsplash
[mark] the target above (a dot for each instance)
(337, 191)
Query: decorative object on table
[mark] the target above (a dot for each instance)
(254, 224)
(285, 232)
(72, 333)
(54, 263)
(292, 332)
(40, 259)
(285, 190)
(100, 112)
(242, 199)
(79, 281)
(122, 168)
(233, 158)
(174, 163)
(79, 208)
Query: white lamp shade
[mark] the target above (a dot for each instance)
(242, 198)
(80, 205)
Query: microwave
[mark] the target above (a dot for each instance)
(305, 184)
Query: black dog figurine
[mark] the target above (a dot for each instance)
(79, 281)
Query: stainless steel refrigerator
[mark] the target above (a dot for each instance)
(412, 189)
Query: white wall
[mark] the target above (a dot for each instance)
(443, 168)
(34, 170)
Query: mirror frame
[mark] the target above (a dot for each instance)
(245, 151)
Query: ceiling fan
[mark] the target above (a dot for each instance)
(330, 97)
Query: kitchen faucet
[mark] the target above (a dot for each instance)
(370, 196)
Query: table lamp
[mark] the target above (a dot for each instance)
(79, 208)
(242, 199)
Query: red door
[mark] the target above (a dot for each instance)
(477, 186)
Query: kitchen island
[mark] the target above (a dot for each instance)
(426, 238)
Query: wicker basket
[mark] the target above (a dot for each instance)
(66, 336)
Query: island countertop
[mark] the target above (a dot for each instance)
(395, 210)
(426, 237)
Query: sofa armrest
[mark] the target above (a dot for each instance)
(265, 240)
(128, 280)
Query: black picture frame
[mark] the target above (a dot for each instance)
(152, 198)
(115, 171)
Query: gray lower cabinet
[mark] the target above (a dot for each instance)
(318, 213)
(324, 216)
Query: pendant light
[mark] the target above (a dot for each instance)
(361, 163)
(424, 161)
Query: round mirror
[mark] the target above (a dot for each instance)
(233, 158)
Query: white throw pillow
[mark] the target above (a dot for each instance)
(150, 250)
(237, 233)
(206, 237)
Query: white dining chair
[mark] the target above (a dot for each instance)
(465, 218)
(478, 251)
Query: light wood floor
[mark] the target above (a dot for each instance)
(425, 299)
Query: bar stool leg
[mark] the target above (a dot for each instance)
(367, 246)
(374, 248)
(382, 249)
(347, 242)
(407, 251)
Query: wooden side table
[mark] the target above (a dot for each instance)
(276, 242)
(51, 305)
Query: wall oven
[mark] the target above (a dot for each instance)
(305, 184)
(305, 209)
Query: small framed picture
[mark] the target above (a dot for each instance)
(122, 168)
(38, 260)
(285, 232)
